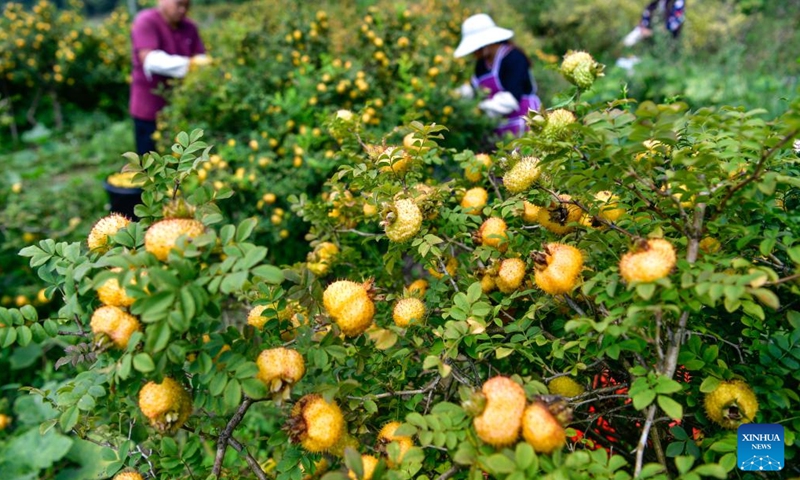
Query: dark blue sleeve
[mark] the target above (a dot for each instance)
(515, 76)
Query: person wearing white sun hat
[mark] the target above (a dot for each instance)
(502, 70)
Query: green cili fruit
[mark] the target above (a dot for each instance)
(580, 69)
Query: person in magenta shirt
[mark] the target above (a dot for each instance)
(165, 44)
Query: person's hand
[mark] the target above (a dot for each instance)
(464, 91)
(199, 61)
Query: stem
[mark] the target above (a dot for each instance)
(427, 388)
(224, 438)
(449, 473)
(651, 413)
(30, 116)
(662, 458)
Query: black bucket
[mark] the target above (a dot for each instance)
(123, 199)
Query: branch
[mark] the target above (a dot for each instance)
(357, 232)
(222, 442)
(651, 413)
(785, 279)
(251, 462)
(427, 388)
(449, 473)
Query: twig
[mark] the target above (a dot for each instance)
(146, 457)
(784, 279)
(659, 350)
(427, 388)
(450, 277)
(600, 397)
(251, 462)
(449, 473)
(735, 346)
(662, 458)
(574, 305)
(357, 232)
(599, 391)
(222, 442)
(651, 413)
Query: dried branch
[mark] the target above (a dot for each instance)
(651, 413)
(449, 473)
(222, 442)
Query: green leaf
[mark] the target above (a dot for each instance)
(684, 463)
(524, 455)
(642, 399)
(69, 418)
(709, 384)
(245, 228)
(499, 463)
(711, 470)
(233, 282)
(254, 388)
(767, 298)
(143, 363)
(675, 449)
(646, 290)
(24, 335)
(670, 407)
(666, 385)
(158, 336)
(269, 274)
(233, 394)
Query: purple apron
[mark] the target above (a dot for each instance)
(515, 121)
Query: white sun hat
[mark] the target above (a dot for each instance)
(479, 31)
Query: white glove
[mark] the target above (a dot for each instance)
(634, 37)
(162, 63)
(502, 103)
(465, 91)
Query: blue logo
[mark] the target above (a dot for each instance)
(760, 447)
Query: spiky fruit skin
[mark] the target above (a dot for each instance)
(386, 436)
(565, 386)
(167, 404)
(350, 306)
(255, 317)
(493, 233)
(316, 424)
(115, 323)
(580, 69)
(162, 236)
(111, 293)
(418, 287)
(407, 221)
(510, 275)
(5, 421)
(488, 283)
(279, 367)
(530, 212)
(557, 270)
(522, 176)
(450, 267)
(105, 227)
(347, 441)
(651, 261)
(731, 404)
(501, 419)
(128, 476)
(408, 310)
(555, 127)
(609, 211)
(368, 462)
(560, 215)
(541, 429)
(474, 200)
(474, 171)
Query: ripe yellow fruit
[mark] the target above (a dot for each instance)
(521, 177)
(21, 300)
(450, 267)
(347, 441)
(403, 221)
(541, 429)
(414, 144)
(16, 187)
(105, 227)
(5, 421)
(530, 212)
(162, 236)
(408, 310)
(710, 245)
(129, 475)
(167, 404)
(510, 275)
(731, 404)
(565, 386)
(114, 323)
(560, 215)
(557, 268)
(417, 288)
(368, 462)
(316, 424)
(488, 283)
(474, 200)
(610, 210)
(349, 305)
(386, 436)
(474, 171)
(650, 261)
(499, 423)
(111, 293)
(320, 260)
(493, 233)
(280, 367)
